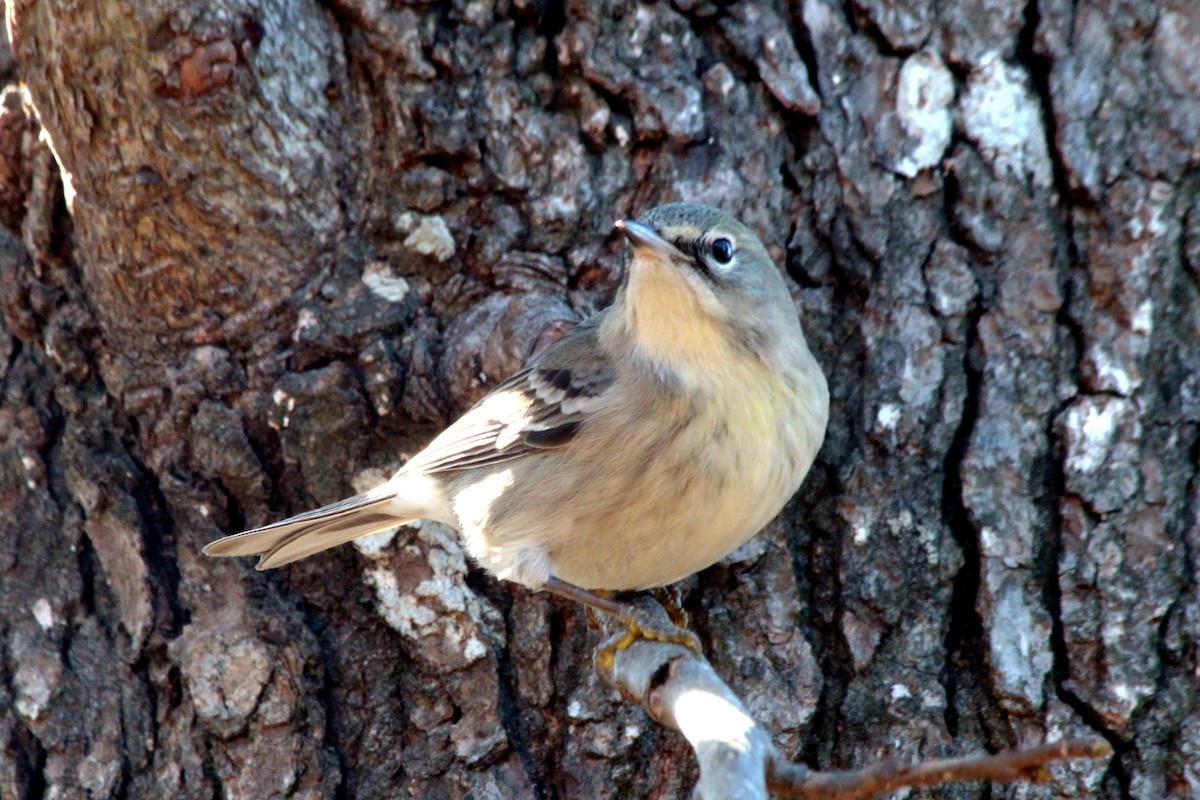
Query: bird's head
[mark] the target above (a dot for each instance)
(700, 284)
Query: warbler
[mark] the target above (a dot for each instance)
(643, 446)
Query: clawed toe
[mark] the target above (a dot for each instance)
(645, 620)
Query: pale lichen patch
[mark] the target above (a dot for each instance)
(385, 284)
(428, 236)
(1002, 116)
(924, 92)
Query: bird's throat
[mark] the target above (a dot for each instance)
(667, 323)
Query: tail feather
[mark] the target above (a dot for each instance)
(313, 531)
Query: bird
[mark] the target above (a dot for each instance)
(645, 445)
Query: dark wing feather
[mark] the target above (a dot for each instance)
(539, 408)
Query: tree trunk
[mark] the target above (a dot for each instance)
(257, 253)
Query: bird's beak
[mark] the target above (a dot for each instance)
(644, 238)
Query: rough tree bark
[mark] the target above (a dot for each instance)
(256, 252)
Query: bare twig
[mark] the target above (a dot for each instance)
(786, 779)
(682, 691)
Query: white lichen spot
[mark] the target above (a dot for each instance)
(748, 552)
(43, 613)
(30, 465)
(440, 608)
(924, 92)
(929, 539)
(1143, 318)
(622, 134)
(643, 22)
(721, 78)
(204, 512)
(1091, 428)
(478, 13)
(450, 594)
(860, 521)
(1159, 200)
(987, 539)
(1123, 692)
(1001, 115)
(279, 397)
(632, 732)
(598, 119)
(304, 320)
(900, 692)
(431, 237)
(474, 649)
(31, 704)
(1130, 696)
(689, 120)
(887, 417)
(1111, 376)
(1006, 549)
(1149, 217)
(575, 709)
(34, 681)
(383, 283)
(1018, 647)
(400, 611)
(1113, 632)
(373, 545)
(901, 523)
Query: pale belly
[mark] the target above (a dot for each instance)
(644, 550)
(635, 514)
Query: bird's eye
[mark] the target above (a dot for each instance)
(722, 251)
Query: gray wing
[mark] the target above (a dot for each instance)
(539, 408)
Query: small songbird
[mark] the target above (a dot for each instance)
(643, 446)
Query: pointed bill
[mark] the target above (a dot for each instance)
(644, 238)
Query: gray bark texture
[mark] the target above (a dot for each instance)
(255, 252)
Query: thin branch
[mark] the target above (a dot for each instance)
(682, 691)
(789, 780)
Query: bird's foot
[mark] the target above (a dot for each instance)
(645, 619)
(642, 619)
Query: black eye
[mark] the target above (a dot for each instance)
(722, 251)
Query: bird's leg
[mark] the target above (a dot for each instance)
(596, 619)
(646, 620)
(671, 599)
(594, 600)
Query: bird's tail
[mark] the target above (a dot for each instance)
(313, 531)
